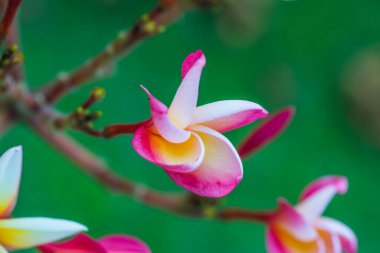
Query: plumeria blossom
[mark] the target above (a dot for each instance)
(186, 140)
(302, 229)
(109, 244)
(20, 233)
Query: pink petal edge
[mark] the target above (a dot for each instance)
(289, 219)
(162, 122)
(142, 144)
(266, 132)
(340, 183)
(227, 115)
(273, 243)
(220, 172)
(190, 60)
(185, 100)
(123, 244)
(346, 235)
(82, 243)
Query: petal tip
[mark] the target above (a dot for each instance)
(196, 57)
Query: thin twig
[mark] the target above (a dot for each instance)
(7, 20)
(181, 204)
(148, 25)
(99, 170)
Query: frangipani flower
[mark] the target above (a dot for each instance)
(301, 229)
(186, 140)
(20, 233)
(109, 244)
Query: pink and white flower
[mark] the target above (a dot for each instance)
(109, 244)
(21, 233)
(186, 140)
(302, 229)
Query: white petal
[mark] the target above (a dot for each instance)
(23, 233)
(10, 174)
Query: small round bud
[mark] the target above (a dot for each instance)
(98, 93)
(14, 48)
(150, 26)
(80, 110)
(99, 114)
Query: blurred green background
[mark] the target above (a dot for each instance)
(320, 56)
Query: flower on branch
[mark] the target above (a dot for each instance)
(186, 140)
(302, 229)
(109, 244)
(21, 233)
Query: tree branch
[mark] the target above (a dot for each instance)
(181, 204)
(147, 26)
(7, 20)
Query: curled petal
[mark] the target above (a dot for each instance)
(80, 244)
(266, 132)
(221, 169)
(178, 157)
(331, 242)
(162, 122)
(281, 241)
(123, 244)
(288, 219)
(346, 236)
(10, 173)
(274, 244)
(30, 232)
(227, 115)
(183, 106)
(2, 250)
(318, 195)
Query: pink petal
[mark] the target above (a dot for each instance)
(227, 115)
(80, 244)
(266, 132)
(10, 174)
(177, 157)
(318, 195)
(347, 237)
(162, 122)
(274, 244)
(183, 106)
(289, 219)
(123, 244)
(221, 170)
(281, 241)
(331, 242)
(190, 60)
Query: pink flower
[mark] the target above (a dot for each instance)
(108, 244)
(301, 229)
(186, 140)
(21, 233)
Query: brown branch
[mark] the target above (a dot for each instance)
(181, 204)
(99, 170)
(233, 214)
(148, 25)
(7, 20)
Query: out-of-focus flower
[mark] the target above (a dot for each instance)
(20, 233)
(241, 23)
(109, 244)
(302, 229)
(266, 132)
(361, 85)
(185, 139)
